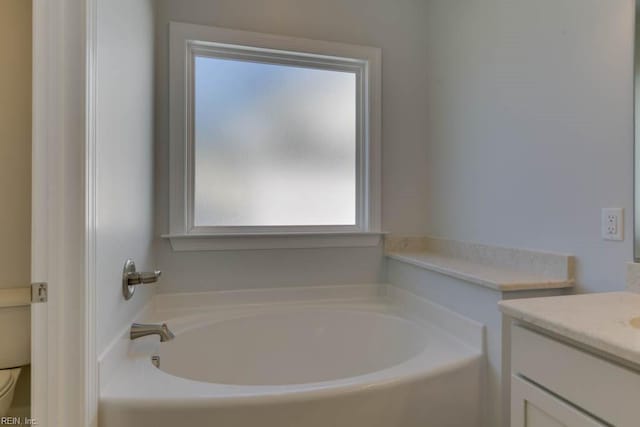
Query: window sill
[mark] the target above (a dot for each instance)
(231, 242)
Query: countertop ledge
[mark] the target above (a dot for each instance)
(498, 268)
(600, 321)
(499, 279)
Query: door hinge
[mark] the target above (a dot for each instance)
(39, 292)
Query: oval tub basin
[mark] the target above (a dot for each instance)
(332, 366)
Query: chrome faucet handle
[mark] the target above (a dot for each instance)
(131, 278)
(139, 278)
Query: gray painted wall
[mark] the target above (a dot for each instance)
(398, 28)
(506, 122)
(530, 126)
(124, 152)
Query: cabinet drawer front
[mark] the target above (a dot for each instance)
(602, 388)
(532, 406)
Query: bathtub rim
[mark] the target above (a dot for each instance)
(406, 305)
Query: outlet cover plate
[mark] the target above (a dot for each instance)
(612, 224)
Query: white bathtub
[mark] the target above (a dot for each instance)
(300, 364)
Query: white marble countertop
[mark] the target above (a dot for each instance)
(601, 321)
(499, 278)
(500, 268)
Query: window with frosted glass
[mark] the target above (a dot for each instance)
(274, 144)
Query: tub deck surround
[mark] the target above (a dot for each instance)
(498, 268)
(602, 321)
(405, 356)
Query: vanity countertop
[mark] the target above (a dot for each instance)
(602, 321)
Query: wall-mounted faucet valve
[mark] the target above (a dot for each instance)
(131, 278)
(139, 278)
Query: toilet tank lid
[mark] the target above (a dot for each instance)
(15, 297)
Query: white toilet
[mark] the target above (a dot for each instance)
(15, 351)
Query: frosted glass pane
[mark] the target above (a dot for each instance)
(275, 145)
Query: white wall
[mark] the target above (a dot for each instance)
(125, 83)
(529, 126)
(398, 28)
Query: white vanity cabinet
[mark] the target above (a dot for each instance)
(555, 384)
(533, 406)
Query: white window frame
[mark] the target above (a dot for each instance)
(188, 41)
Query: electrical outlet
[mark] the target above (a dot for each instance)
(612, 224)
